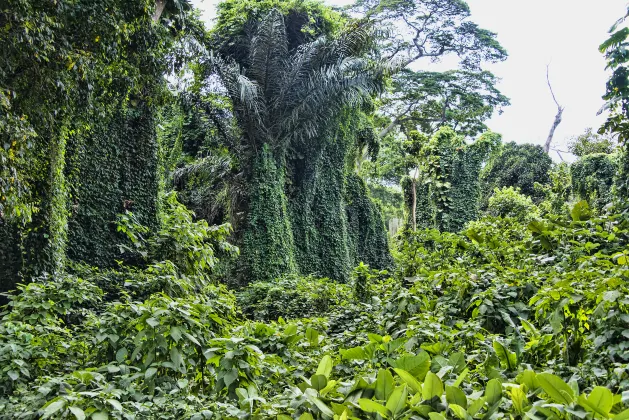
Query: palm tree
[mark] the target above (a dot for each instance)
(284, 99)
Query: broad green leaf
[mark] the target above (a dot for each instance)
(493, 391)
(397, 401)
(623, 415)
(600, 401)
(175, 357)
(436, 416)
(312, 336)
(306, 416)
(369, 406)
(559, 391)
(528, 378)
(409, 380)
(115, 404)
(507, 358)
(53, 407)
(581, 211)
(454, 395)
(459, 379)
(458, 411)
(100, 415)
(323, 407)
(518, 399)
(475, 406)
(375, 338)
(417, 365)
(291, 329)
(433, 387)
(325, 366)
(355, 353)
(384, 384)
(318, 382)
(175, 333)
(121, 355)
(79, 414)
(150, 372)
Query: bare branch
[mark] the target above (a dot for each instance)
(558, 116)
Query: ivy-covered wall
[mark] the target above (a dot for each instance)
(111, 170)
(593, 178)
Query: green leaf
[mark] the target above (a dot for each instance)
(312, 336)
(454, 395)
(600, 401)
(318, 382)
(397, 401)
(121, 355)
(175, 357)
(436, 416)
(417, 365)
(150, 372)
(433, 387)
(493, 391)
(100, 415)
(79, 414)
(409, 380)
(322, 407)
(507, 358)
(458, 411)
(325, 366)
(623, 415)
(369, 406)
(559, 391)
(175, 333)
(355, 353)
(306, 416)
(53, 407)
(115, 404)
(384, 384)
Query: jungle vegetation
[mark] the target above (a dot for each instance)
(194, 222)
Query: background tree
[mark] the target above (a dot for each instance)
(519, 166)
(591, 142)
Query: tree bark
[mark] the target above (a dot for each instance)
(414, 206)
(160, 5)
(557, 120)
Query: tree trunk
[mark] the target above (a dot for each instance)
(414, 206)
(160, 5)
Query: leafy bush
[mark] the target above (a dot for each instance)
(508, 202)
(291, 296)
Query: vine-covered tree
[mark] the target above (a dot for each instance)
(286, 98)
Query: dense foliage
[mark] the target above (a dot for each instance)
(192, 222)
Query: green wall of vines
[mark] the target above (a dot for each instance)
(268, 249)
(113, 169)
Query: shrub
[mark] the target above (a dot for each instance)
(291, 296)
(509, 202)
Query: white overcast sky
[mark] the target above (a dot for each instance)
(563, 33)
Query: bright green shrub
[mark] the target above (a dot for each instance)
(508, 202)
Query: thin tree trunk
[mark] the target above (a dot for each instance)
(557, 121)
(160, 5)
(414, 206)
